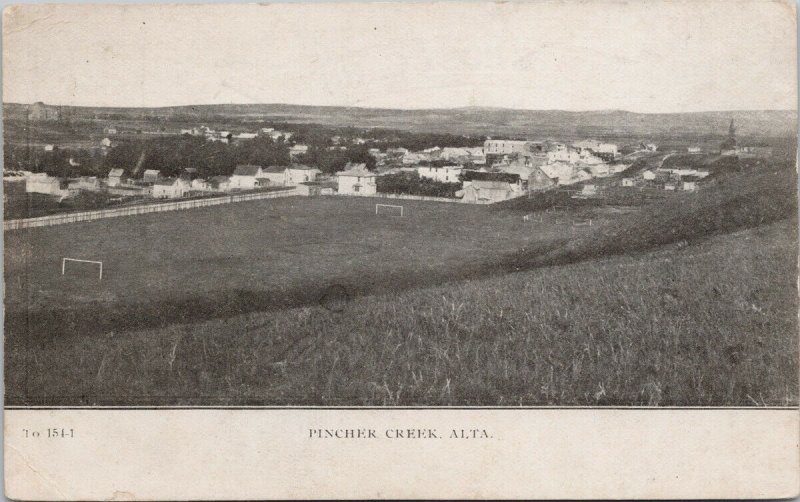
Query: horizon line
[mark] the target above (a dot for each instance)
(468, 107)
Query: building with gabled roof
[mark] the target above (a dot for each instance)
(116, 177)
(170, 188)
(357, 180)
(299, 173)
(245, 177)
(488, 192)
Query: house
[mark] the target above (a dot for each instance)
(276, 135)
(669, 186)
(200, 185)
(311, 188)
(42, 183)
(116, 177)
(109, 130)
(504, 147)
(589, 190)
(296, 150)
(559, 172)
(49, 148)
(476, 155)
(245, 135)
(273, 176)
(219, 183)
(569, 155)
(649, 147)
(105, 143)
(538, 180)
(487, 192)
(296, 174)
(627, 182)
(454, 154)
(412, 158)
(444, 174)
(694, 149)
(90, 183)
(151, 175)
(170, 188)
(245, 177)
(356, 180)
(689, 186)
(649, 175)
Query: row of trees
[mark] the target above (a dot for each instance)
(411, 183)
(331, 161)
(171, 155)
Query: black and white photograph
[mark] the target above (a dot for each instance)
(581, 205)
(539, 249)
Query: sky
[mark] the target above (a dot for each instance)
(644, 56)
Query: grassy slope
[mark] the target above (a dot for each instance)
(706, 324)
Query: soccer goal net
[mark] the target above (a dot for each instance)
(388, 209)
(64, 262)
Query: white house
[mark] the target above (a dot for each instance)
(627, 182)
(42, 183)
(297, 174)
(649, 175)
(694, 149)
(200, 185)
(272, 176)
(116, 177)
(105, 142)
(49, 148)
(245, 177)
(357, 180)
(445, 174)
(170, 188)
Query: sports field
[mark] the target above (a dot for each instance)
(212, 262)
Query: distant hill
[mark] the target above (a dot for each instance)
(532, 124)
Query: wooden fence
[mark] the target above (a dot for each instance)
(60, 219)
(402, 197)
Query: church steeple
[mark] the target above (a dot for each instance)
(730, 142)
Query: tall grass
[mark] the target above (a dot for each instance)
(707, 324)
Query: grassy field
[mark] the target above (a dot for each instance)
(317, 300)
(711, 324)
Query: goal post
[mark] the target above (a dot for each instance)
(388, 206)
(65, 260)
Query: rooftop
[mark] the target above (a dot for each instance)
(246, 170)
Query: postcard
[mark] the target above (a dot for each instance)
(537, 249)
